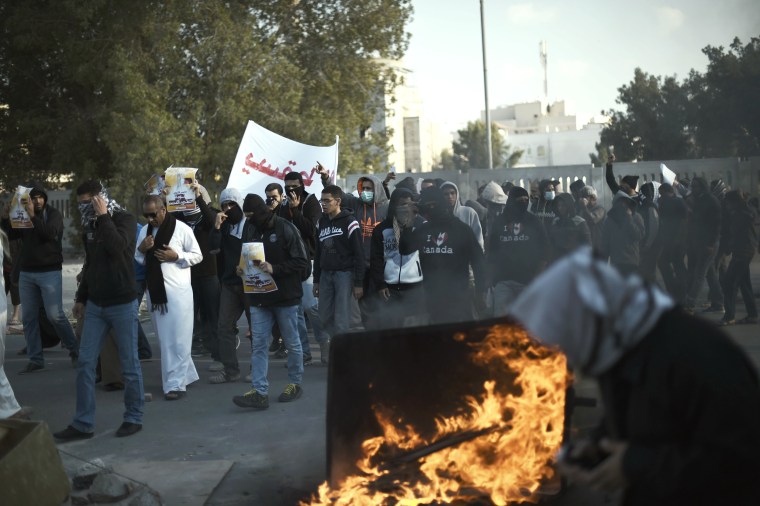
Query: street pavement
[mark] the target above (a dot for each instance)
(278, 455)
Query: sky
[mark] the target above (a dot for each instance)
(593, 48)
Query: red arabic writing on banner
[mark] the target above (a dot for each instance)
(277, 173)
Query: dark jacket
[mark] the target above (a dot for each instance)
(687, 401)
(284, 249)
(743, 233)
(517, 249)
(704, 222)
(673, 216)
(339, 246)
(202, 231)
(621, 237)
(567, 234)
(594, 217)
(223, 243)
(387, 265)
(305, 217)
(108, 275)
(41, 247)
(447, 248)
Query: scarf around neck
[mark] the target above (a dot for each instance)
(154, 276)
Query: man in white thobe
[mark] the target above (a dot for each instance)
(168, 248)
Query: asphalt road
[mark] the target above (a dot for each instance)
(279, 454)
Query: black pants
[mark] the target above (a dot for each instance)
(673, 270)
(737, 276)
(231, 307)
(206, 298)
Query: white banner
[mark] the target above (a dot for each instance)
(667, 175)
(265, 157)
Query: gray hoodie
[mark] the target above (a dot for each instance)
(467, 215)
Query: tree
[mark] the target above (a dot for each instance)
(470, 148)
(654, 123)
(713, 114)
(120, 90)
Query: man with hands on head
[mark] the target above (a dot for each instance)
(108, 299)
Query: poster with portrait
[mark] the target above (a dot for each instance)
(180, 197)
(18, 215)
(155, 184)
(254, 279)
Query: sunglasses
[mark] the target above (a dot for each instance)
(150, 215)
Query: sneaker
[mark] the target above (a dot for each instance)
(324, 351)
(223, 377)
(199, 351)
(31, 367)
(252, 399)
(281, 353)
(174, 395)
(276, 343)
(128, 428)
(71, 434)
(291, 393)
(307, 360)
(249, 377)
(216, 367)
(714, 308)
(727, 323)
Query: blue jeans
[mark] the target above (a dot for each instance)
(262, 320)
(43, 289)
(336, 292)
(98, 321)
(307, 304)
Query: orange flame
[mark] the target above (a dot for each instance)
(506, 464)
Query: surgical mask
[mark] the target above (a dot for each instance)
(367, 196)
(549, 195)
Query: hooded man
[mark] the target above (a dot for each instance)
(681, 400)
(703, 236)
(398, 277)
(40, 279)
(627, 183)
(622, 233)
(447, 250)
(278, 300)
(543, 208)
(227, 238)
(517, 250)
(493, 199)
(568, 231)
(592, 212)
(466, 215)
(672, 241)
(168, 248)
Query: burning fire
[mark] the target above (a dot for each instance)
(500, 446)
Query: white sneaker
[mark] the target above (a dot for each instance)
(216, 367)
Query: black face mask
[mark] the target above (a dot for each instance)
(298, 191)
(261, 219)
(234, 215)
(516, 210)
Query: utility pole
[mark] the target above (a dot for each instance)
(485, 87)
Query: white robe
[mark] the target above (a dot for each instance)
(8, 404)
(175, 327)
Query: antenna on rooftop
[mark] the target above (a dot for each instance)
(543, 56)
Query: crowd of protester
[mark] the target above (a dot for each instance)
(341, 261)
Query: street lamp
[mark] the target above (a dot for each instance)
(485, 86)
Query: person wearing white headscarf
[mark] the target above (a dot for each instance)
(681, 400)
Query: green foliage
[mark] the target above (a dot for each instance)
(469, 150)
(120, 90)
(714, 114)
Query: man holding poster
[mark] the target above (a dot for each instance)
(274, 295)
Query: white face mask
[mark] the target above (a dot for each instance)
(549, 195)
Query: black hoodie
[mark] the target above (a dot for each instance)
(305, 217)
(339, 246)
(41, 248)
